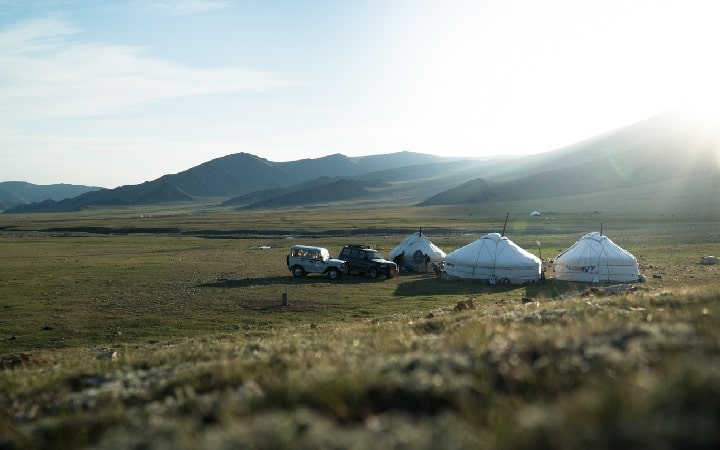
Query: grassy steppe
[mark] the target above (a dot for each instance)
(207, 356)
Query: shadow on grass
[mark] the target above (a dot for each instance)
(557, 289)
(286, 280)
(438, 286)
(432, 285)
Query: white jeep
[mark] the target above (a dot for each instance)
(304, 259)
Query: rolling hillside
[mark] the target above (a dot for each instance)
(473, 191)
(670, 154)
(15, 193)
(666, 150)
(227, 177)
(333, 191)
(407, 184)
(670, 149)
(262, 195)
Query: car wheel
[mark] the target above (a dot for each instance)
(373, 272)
(298, 271)
(333, 273)
(346, 269)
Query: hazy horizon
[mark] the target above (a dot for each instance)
(121, 92)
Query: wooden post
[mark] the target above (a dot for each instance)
(284, 299)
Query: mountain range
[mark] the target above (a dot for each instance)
(14, 193)
(666, 155)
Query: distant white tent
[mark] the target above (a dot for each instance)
(595, 258)
(417, 253)
(494, 258)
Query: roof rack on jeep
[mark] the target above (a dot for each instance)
(357, 246)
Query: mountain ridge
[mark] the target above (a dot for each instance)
(225, 177)
(15, 193)
(662, 148)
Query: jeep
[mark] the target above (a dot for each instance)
(304, 259)
(365, 260)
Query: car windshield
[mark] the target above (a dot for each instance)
(310, 252)
(374, 255)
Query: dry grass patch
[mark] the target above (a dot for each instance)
(207, 357)
(559, 373)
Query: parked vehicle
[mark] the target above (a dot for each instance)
(305, 259)
(366, 260)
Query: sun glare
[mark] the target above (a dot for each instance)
(695, 71)
(705, 115)
(700, 92)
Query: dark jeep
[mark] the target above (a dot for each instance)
(365, 260)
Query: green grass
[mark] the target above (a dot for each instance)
(209, 358)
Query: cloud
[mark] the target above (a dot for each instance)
(34, 36)
(48, 72)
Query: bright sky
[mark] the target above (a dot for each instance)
(119, 92)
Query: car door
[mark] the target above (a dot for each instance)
(364, 262)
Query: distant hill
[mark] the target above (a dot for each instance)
(141, 194)
(473, 191)
(660, 150)
(333, 191)
(264, 195)
(670, 154)
(9, 199)
(399, 184)
(228, 177)
(15, 193)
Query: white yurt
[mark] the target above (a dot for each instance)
(417, 253)
(494, 258)
(595, 258)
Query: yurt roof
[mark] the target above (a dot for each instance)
(595, 246)
(493, 249)
(414, 242)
